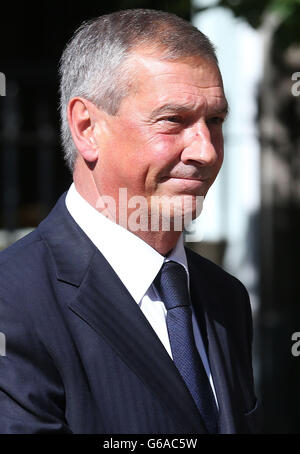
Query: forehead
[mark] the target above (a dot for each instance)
(187, 80)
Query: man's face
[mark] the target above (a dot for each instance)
(166, 139)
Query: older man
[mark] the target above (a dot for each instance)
(112, 326)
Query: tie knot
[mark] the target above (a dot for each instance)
(171, 283)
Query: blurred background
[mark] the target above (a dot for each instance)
(250, 224)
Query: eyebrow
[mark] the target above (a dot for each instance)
(185, 108)
(224, 110)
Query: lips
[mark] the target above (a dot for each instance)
(187, 178)
(184, 178)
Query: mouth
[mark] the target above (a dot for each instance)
(186, 185)
(186, 182)
(200, 179)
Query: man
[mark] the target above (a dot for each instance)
(111, 325)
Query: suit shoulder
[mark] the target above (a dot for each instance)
(21, 248)
(214, 273)
(22, 265)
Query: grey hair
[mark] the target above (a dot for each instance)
(93, 63)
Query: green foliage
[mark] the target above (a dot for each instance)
(252, 10)
(255, 11)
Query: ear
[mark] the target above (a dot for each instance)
(82, 118)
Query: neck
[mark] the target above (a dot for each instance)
(163, 241)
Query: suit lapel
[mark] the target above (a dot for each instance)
(205, 304)
(105, 304)
(218, 350)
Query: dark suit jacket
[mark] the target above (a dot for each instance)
(82, 358)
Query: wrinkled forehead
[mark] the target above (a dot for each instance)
(186, 79)
(145, 64)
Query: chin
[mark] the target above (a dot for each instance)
(176, 211)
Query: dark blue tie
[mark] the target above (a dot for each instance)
(171, 283)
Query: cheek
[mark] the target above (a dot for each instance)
(164, 149)
(151, 159)
(218, 143)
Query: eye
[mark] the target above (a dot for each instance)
(173, 119)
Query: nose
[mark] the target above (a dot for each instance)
(199, 146)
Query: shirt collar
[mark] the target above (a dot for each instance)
(134, 261)
(178, 254)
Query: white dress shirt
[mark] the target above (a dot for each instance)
(136, 264)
